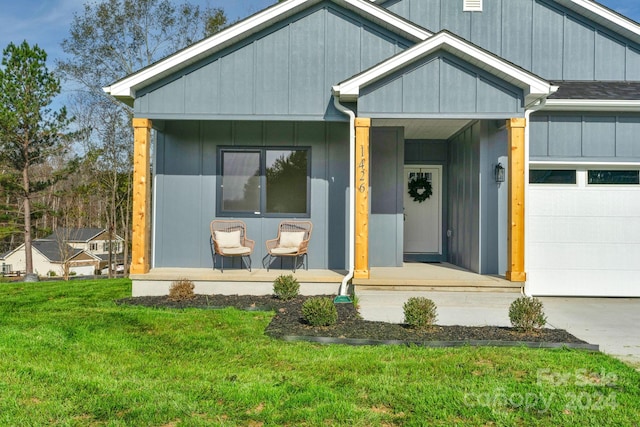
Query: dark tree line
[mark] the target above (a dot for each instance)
(61, 172)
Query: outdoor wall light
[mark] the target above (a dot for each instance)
(498, 173)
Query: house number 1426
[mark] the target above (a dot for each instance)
(363, 171)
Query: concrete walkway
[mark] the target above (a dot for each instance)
(612, 323)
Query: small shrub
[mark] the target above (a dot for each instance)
(286, 287)
(51, 273)
(319, 311)
(181, 290)
(527, 313)
(420, 312)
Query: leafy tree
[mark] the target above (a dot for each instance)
(109, 40)
(31, 132)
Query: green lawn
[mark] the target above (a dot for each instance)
(70, 356)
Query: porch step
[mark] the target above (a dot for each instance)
(423, 286)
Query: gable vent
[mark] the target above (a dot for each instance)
(472, 6)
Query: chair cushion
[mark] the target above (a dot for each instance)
(283, 251)
(227, 239)
(242, 250)
(291, 239)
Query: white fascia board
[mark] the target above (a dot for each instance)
(582, 164)
(95, 257)
(533, 86)
(8, 254)
(604, 105)
(126, 88)
(614, 18)
(382, 15)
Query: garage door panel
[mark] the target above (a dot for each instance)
(585, 229)
(584, 201)
(577, 256)
(585, 283)
(583, 240)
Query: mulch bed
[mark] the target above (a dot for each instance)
(352, 329)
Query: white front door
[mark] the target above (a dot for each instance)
(423, 221)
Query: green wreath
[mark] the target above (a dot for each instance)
(415, 187)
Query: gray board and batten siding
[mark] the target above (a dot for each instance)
(386, 221)
(585, 137)
(464, 198)
(541, 36)
(283, 73)
(186, 183)
(441, 85)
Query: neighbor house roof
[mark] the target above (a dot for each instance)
(533, 86)
(125, 89)
(75, 235)
(52, 250)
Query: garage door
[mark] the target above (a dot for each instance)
(583, 237)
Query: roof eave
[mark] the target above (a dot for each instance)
(606, 17)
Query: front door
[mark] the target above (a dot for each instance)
(423, 220)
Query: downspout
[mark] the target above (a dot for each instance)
(527, 114)
(352, 195)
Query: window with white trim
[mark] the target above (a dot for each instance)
(264, 181)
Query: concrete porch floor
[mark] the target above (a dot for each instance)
(433, 277)
(410, 277)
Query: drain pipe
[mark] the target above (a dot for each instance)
(527, 114)
(352, 196)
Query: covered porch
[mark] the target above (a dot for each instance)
(411, 276)
(360, 212)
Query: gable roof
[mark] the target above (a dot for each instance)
(533, 86)
(125, 89)
(51, 250)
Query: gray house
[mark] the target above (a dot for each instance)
(520, 117)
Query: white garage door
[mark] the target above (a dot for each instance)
(584, 239)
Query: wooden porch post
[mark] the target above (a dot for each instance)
(363, 126)
(141, 227)
(515, 233)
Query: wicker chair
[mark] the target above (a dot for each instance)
(292, 241)
(229, 239)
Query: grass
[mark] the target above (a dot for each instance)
(70, 356)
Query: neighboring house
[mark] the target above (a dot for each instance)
(457, 93)
(94, 241)
(49, 256)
